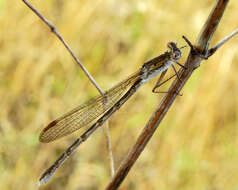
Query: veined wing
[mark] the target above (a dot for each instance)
(83, 115)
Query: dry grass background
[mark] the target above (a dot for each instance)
(194, 148)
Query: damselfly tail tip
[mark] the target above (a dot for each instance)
(39, 183)
(43, 180)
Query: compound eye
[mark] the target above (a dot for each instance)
(177, 55)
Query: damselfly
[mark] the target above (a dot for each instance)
(105, 105)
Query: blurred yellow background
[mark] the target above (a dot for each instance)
(195, 147)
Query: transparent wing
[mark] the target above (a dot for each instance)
(84, 114)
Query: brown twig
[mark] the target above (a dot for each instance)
(198, 52)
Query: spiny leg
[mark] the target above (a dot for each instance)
(164, 92)
(159, 83)
(180, 65)
(176, 73)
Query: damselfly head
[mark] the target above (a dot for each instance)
(174, 50)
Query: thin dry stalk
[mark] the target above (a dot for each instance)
(55, 31)
(79, 63)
